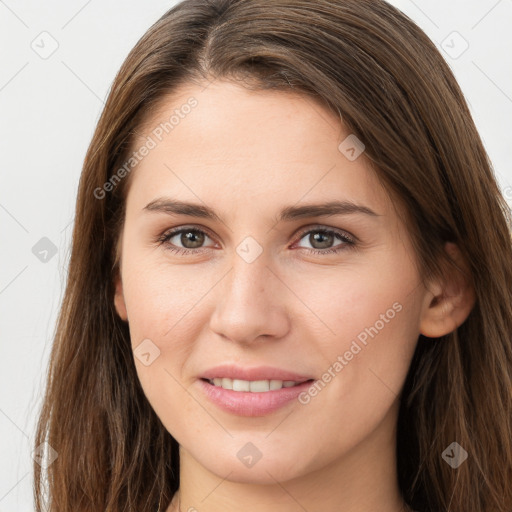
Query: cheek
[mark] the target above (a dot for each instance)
(161, 299)
(364, 329)
(366, 357)
(161, 302)
(342, 304)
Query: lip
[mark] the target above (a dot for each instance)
(244, 403)
(231, 371)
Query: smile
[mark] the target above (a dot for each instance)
(253, 386)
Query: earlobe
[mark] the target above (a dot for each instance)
(119, 299)
(450, 299)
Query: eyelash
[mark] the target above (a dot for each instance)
(349, 241)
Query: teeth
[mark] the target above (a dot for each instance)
(254, 386)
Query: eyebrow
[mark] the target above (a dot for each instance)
(175, 207)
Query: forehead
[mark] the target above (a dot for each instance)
(225, 143)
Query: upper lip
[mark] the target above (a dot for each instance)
(231, 371)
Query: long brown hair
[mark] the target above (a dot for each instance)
(375, 68)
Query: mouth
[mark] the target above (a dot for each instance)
(252, 398)
(254, 386)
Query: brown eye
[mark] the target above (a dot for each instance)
(192, 239)
(189, 238)
(321, 240)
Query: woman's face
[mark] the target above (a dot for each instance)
(335, 297)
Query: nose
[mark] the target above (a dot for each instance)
(251, 303)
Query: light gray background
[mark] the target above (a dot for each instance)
(49, 107)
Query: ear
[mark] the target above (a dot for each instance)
(450, 299)
(119, 299)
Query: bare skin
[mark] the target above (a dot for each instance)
(247, 155)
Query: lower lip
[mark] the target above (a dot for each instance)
(245, 403)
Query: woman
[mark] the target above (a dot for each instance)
(205, 358)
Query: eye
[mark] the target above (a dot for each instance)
(191, 238)
(321, 240)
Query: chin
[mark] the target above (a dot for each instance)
(264, 471)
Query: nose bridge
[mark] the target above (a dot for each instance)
(248, 283)
(251, 278)
(248, 303)
(250, 275)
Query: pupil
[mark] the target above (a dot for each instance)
(192, 236)
(317, 237)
